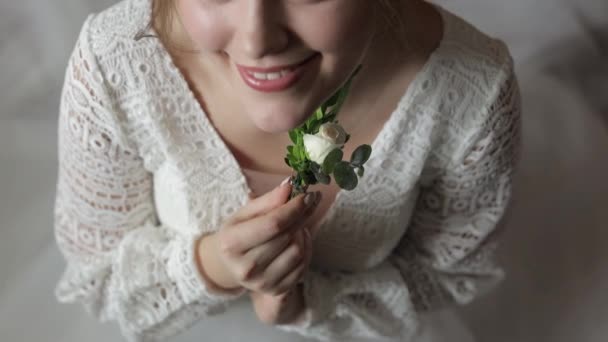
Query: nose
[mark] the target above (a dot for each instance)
(262, 32)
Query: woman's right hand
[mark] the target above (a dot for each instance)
(260, 246)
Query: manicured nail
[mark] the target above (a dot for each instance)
(310, 198)
(286, 181)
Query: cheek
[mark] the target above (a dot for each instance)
(206, 28)
(340, 30)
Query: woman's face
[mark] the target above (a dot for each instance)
(316, 45)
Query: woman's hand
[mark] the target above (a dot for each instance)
(288, 307)
(257, 247)
(285, 308)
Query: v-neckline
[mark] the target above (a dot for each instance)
(409, 94)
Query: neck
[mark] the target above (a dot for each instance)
(387, 67)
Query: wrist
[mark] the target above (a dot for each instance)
(211, 267)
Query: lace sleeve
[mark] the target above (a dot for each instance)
(121, 263)
(447, 254)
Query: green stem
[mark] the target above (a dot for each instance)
(297, 187)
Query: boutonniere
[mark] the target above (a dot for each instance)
(317, 151)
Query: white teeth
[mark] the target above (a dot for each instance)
(274, 75)
(271, 75)
(260, 76)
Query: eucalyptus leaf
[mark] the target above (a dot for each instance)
(360, 171)
(361, 155)
(319, 174)
(309, 177)
(345, 176)
(331, 159)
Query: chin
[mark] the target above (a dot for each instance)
(276, 121)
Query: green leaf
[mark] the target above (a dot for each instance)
(319, 114)
(360, 171)
(293, 162)
(293, 134)
(331, 159)
(345, 176)
(329, 117)
(290, 149)
(331, 102)
(319, 174)
(295, 152)
(361, 155)
(309, 177)
(287, 162)
(342, 94)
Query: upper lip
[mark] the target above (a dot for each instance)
(274, 68)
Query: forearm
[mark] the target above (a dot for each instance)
(211, 267)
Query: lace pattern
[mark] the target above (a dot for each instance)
(122, 264)
(143, 174)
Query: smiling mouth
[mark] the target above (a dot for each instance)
(276, 78)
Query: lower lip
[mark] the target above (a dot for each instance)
(279, 84)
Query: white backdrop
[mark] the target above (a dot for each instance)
(556, 243)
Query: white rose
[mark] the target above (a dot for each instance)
(329, 137)
(332, 132)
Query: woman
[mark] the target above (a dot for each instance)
(172, 138)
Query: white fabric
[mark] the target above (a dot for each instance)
(143, 174)
(554, 248)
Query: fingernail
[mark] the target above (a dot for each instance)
(286, 181)
(310, 198)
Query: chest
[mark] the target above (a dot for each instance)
(210, 174)
(196, 190)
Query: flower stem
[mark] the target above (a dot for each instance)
(296, 186)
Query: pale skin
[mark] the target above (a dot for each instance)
(263, 33)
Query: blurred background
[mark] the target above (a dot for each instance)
(555, 248)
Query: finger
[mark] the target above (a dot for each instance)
(282, 265)
(290, 280)
(264, 254)
(254, 232)
(307, 252)
(262, 204)
(307, 245)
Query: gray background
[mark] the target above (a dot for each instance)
(555, 248)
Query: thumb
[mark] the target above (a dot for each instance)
(264, 203)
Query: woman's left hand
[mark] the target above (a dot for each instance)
(285, 308)
(288, 307)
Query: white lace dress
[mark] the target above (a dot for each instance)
(143, 174)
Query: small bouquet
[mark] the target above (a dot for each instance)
(317, 150)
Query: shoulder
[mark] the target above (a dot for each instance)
(465, 40)
(475, 92)
(480, 67)
(478, 64)
(96, 70)
(115, 28)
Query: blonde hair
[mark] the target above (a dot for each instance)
(163, 14)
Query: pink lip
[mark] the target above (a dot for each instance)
(273, 69)
(281, 83)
